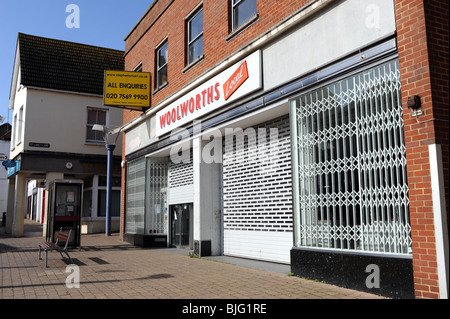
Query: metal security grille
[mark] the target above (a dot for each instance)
(257, 184)
(351, 166)
(134, 223)
(156, 219)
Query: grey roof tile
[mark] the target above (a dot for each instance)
(68, 66)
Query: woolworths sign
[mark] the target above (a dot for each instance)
(240, 79)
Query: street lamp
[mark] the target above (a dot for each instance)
(110, 147)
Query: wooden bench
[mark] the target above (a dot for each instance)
(49, 246)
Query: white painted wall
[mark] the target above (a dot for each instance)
(141, 135)
(60, 119)
(334, 33)
(20, 99)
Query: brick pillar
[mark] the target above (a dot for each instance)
(416, 57)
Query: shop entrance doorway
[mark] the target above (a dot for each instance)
(181, 226)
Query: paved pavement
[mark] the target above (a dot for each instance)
(112, 269)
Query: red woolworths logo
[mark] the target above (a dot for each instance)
(236, 80)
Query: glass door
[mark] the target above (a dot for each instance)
(181, 225)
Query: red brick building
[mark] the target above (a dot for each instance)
(356, 95)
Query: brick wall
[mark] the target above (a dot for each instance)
(421, 75)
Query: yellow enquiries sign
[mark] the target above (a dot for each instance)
(130, 90)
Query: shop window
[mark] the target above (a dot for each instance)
(195, 36)
(115, 196)
(95, 116)
(135, 197)
(115, 203)
(351, 192)
(161, 65)
(242, 12)
(87, 203)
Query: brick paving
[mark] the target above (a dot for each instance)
(112, 269)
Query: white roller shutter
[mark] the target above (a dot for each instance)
(181, 180)
(257, 194)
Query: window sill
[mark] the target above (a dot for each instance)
(193, 63)
(94, 143)
(242, 27)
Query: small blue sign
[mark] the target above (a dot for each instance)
(9, 163)
(12, 169)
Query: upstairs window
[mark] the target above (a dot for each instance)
(20, 126)
(138, 68)
(161, 65)
(95, 116)
(242, 11)
(195, 36)
(14, 132)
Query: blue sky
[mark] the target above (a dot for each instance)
(102, 23)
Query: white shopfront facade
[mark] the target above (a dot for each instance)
(271, 170)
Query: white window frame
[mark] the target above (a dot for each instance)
(14, 133)
(234, 6)
(138, 68)
(198, 37)
(159, 68)
(95, 189)
(20, 126)
(89, 126)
